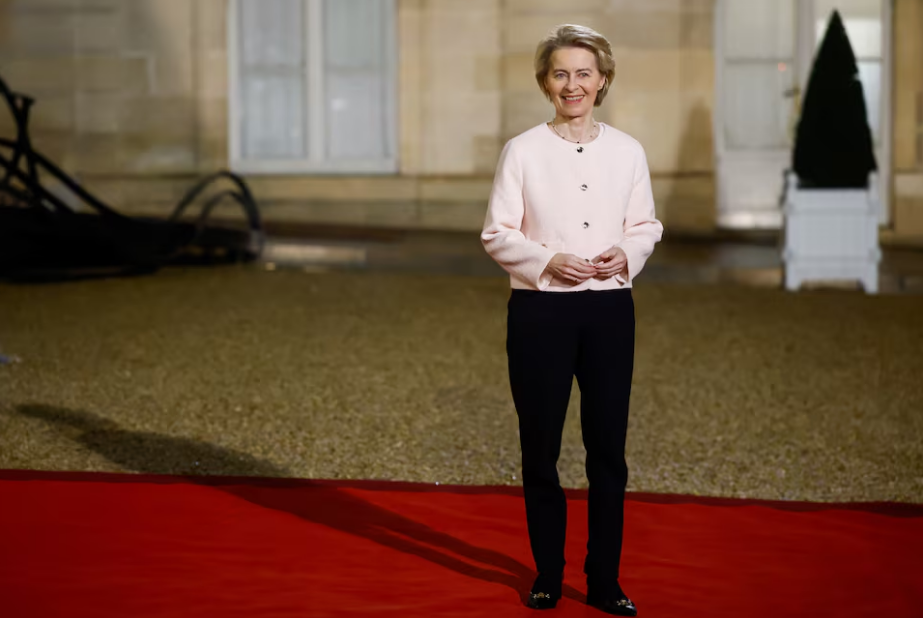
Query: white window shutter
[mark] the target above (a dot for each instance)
(355, 79)
(272, 79)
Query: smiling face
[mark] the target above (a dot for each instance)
(573, 81)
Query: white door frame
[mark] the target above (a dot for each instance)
(760, 161)
(885, 174)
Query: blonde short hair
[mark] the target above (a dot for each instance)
(570, 35)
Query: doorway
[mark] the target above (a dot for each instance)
(764, 50)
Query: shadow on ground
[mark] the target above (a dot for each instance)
(323, 504)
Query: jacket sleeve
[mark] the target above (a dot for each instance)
(502, 236)
(642, 230)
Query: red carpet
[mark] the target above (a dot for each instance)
(99, 545)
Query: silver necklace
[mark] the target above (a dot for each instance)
(592, 133)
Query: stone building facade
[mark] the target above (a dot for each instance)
(134, 98)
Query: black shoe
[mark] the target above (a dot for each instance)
(545, 592)
(541, 600)
(616, 604)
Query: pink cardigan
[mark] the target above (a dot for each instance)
(550, 195)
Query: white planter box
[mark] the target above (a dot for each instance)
(831, 235)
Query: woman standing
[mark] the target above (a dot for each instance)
(571, 218)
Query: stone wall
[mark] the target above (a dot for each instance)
(133, 98)
(908, 122)
(130, 95)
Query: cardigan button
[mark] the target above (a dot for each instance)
(583, 187)
(579, 148)
(585, 225)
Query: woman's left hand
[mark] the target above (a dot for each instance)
(610, 263)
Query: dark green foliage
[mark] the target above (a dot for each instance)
(833, 147)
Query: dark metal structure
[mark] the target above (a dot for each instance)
(70, 233)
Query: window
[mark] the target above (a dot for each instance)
(313, 86)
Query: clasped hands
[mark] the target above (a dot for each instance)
(573, 270)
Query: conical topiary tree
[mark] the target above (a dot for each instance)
(833, 144)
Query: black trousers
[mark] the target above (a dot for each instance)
(552, 337)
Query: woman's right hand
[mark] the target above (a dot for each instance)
(570, 269)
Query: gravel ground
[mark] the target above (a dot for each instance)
(738, 391)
